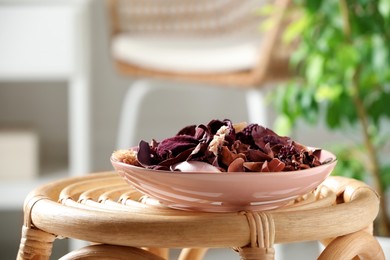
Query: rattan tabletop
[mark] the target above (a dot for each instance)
(103, 209)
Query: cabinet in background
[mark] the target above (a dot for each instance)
(47, 41)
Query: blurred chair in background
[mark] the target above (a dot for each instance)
(212, 43)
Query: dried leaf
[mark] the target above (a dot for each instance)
(253, 166)
(237, 165)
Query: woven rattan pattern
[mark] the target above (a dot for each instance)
(189, 18)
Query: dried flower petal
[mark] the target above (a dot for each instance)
(257, 156)
(144, 155)
(275, 165)
(181, 157)
(238, 127)
(128, 156)
(218, 140)
(237, 165)
(188, 130)
(172, 146)
(253, 166)
(227, 156)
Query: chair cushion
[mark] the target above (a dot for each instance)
(187, 55)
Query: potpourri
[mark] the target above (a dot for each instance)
(226, 146)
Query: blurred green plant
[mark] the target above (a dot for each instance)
(342, 64)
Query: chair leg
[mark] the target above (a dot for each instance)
(35, 244)
(110, 252)
(161, 252)
(256, 107)
(140, 89)
(192, 253)
(353, 246)
(130, 113)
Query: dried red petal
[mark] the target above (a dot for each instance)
(144, 154)
(188, 130)
(275, 165)
(237, 165)
(253, 166)
(257, 156)
(172, 146)
(227, 156)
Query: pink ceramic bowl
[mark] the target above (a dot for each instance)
(225, 192)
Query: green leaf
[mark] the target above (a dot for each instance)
(285, 98)
(380, 55)
(283, 125)
(313, 6)
(340, 111)
(328, 92)
(314, 69)
(299, 55)
(295, 29)
(384, 8)
(309, 106)
(379, 107)
(333, 119)
(385, 176)
(291, 107)
(347, 108)
(347, 56)
(349, 161)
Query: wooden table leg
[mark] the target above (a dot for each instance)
(192, 253)
(161, 252)
(35, 244)
(350, 246)
(103, 251)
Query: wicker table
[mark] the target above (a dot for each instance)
(103, 209)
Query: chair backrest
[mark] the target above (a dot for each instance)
(205, 19)
(186, 18)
